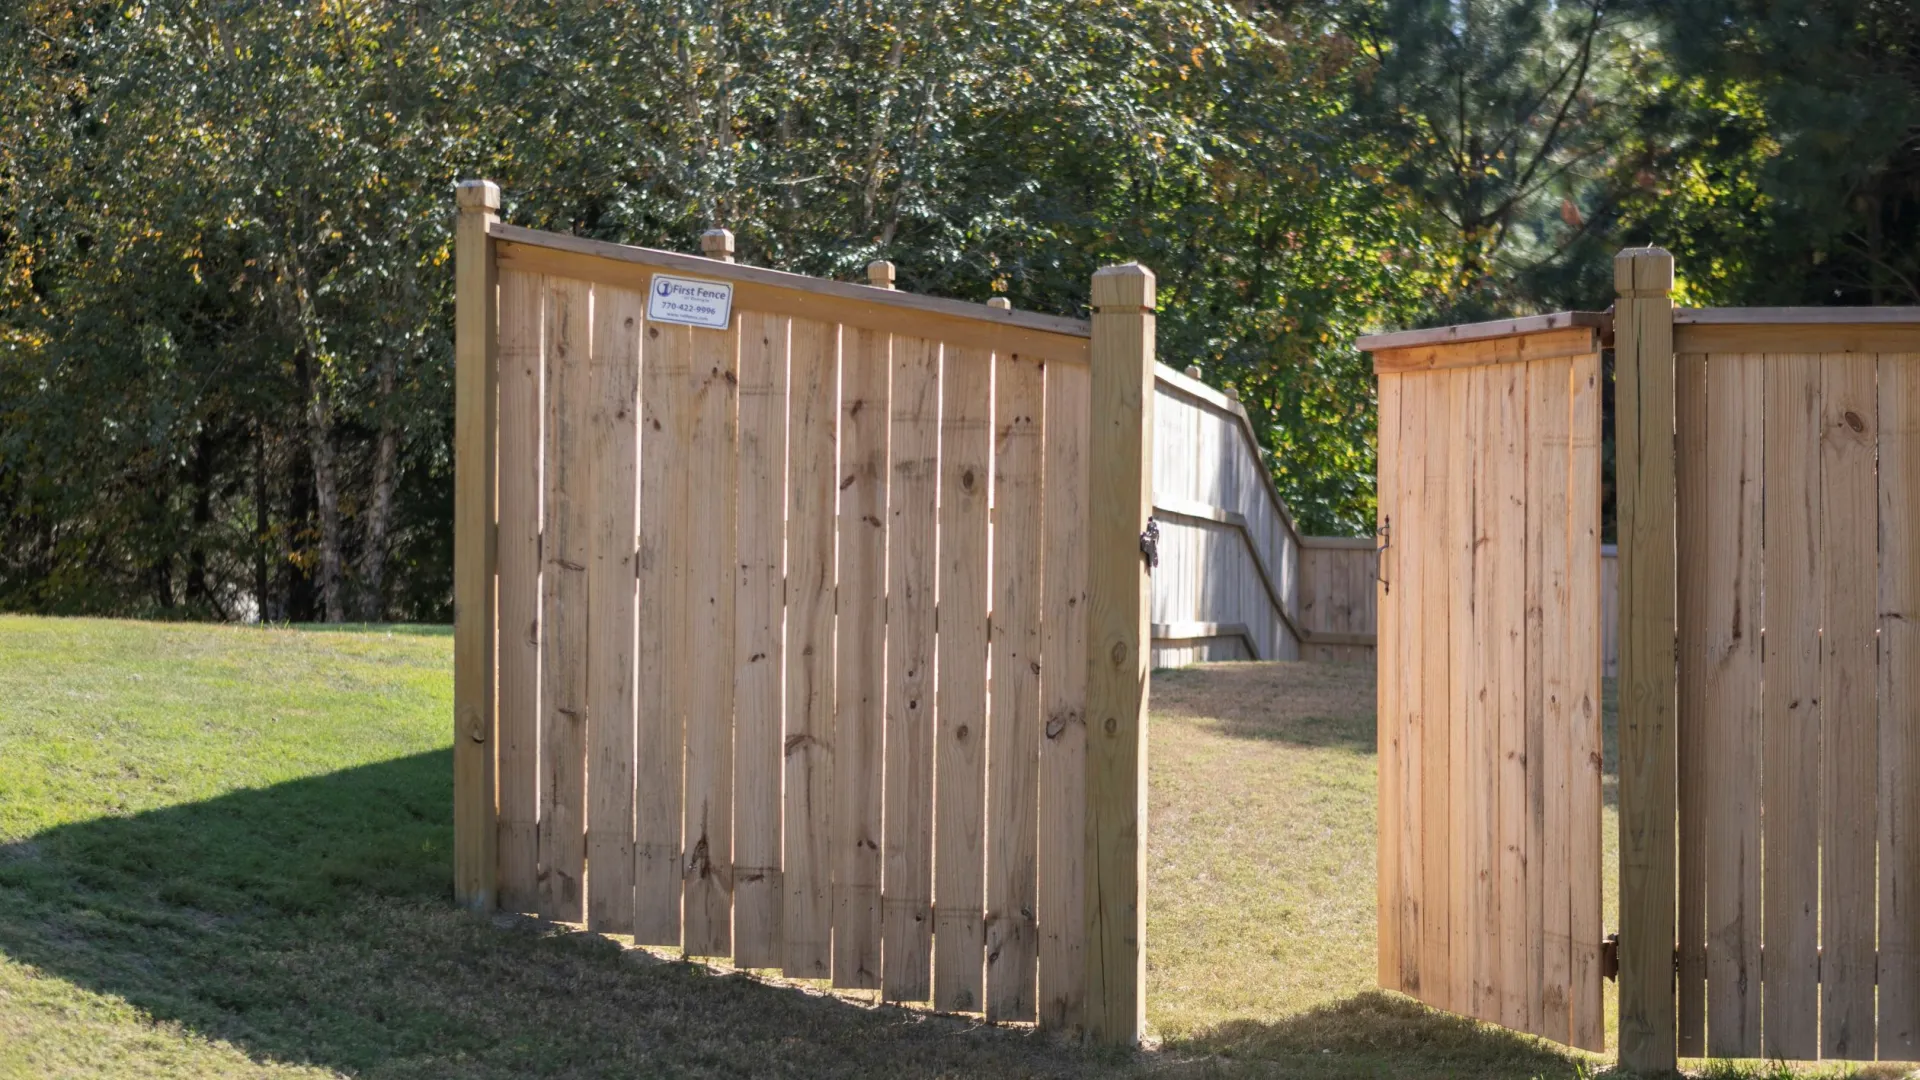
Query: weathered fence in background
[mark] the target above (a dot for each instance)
(780, 639)
(1338, 605)
(1489, 693)
(1770, 524)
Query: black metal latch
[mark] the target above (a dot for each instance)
(1379, 553)
(1150, 543)
(1610, 958)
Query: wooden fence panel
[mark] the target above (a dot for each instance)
(860, 683)
(1848, 685)
(1013, 733)
(1490, 720)
(1063, 683)
(1899, 604)
(792, 605)
(613, 444)
(566, 527)
(759, 654)
(811, 662)
(522, 363)
(1691, 547)
(960, 857)
(913, 575)
(1790, 737)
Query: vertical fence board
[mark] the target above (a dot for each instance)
(522, 330)
(807, 929)
(1436, 740)
(1790, 721)
(1729, 652)
(1692, 435)
(1462, 706)
(759, 615)
(1533, 493)
(1412, 536)
(906, 907)
(861, 681)
(1483, 741)
(567, 525)
(1063, 683)
(1847, 696)
(666, 356)
(1507, 423)
(1013, 743)
(613, 464)
(476, 822)
(1584, 650)
(1899, 607)
(711, 567)
(966, 462)
(1389, 895)
(1550, 497)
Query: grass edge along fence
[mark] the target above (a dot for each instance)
(729, 817)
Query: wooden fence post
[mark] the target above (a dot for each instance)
(475, 839)
(1649, 747)
(1119, 502)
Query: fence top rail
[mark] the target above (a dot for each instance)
(780, 279)
(1796, 316)
(1485, 331)
(1194, 388)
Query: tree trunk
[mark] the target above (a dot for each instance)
(373, 558)
(261, 606)
(199, 591)
(326, 488)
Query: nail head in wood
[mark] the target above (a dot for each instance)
(474, 195)
(717, 244)
(880, 274)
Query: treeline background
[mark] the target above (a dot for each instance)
(225, 226)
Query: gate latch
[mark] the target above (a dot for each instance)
(1610, 958)
(1379, 553)
(1150, 543)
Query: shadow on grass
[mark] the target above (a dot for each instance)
(1378, 1034)
(311, 922)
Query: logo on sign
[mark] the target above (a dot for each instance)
(690, 302)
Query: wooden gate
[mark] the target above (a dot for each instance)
(1770, 513)
(777, 640)
(1489, 660)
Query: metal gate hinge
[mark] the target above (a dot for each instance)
(1150, 543)
(1610, 958)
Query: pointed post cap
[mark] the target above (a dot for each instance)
(1644, 271)
(1126, 287)
(1000, 303)
(717, 244)
(880, 274)
(477, 195)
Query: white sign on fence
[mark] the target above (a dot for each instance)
(690, 301)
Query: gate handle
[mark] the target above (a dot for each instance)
(1379, 562)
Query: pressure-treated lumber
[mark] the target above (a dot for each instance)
(665, 545)
(1644, 414)
(1778, 338)
(913, 496)
(1584, 650)
(1899, 751)
(1549, 508)
(566, 523)
(1729, 664)
(613, 417)
(1791, 709)
(1849, 717)
(1436, 987)
(1691, 512)
(759, 624)
(966, 462)
(475, 821)
(809, 754)
(861, 679)
(1507, 561)
(522, 299)
(1410, 535)
(1117, 652)
(713, 469)
(1387, 699)
(1520, 349)
(1013, 729)
(1063, 687)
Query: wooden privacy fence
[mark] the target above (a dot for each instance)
(1489, 694)
(1770, 525)
(816, 639)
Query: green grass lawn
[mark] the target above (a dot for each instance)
(224, 852)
